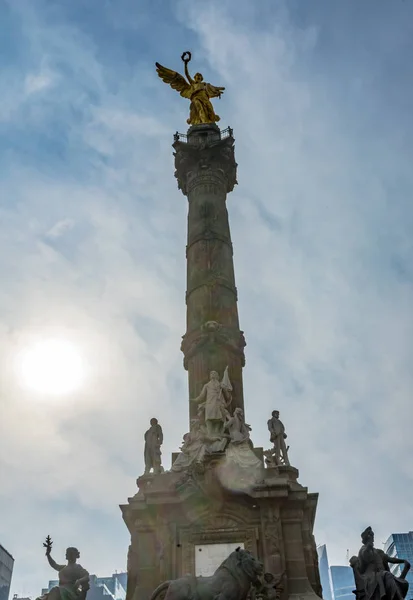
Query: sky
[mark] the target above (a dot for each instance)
(92, 251)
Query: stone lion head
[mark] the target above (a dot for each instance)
(251, 566)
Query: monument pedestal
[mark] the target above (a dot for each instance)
(175, 517)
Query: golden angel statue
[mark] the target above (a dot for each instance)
(197, 90)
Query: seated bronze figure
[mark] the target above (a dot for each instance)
(372, 575)
(73, 578)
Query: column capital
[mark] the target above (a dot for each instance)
(205, 156)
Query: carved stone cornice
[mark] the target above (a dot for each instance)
(213, 333)
(208, 167)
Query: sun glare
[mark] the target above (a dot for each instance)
(52, 367)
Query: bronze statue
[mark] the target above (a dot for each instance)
(197, 90)
(73, 578)
(231, 581)
(152, 452)
(373, 578)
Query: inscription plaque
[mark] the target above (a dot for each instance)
(208, 557)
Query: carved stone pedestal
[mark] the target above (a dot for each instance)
(174, 515)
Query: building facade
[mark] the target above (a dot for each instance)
(6, 572)
(342, 582)
(400, 545)
(337, 581)
(101, 588)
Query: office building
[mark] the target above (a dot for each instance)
(324, 569)
(400, 545)
(6, 571)
(342, 582)
(102, 588)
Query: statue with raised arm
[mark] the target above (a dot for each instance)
(372, 575)
(196, 90)
(73, 578)
(215, 397)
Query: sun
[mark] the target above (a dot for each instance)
(52, 366)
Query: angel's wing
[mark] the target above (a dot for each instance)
(175, 80)
(214, 92)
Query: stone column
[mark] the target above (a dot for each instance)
(206, 172)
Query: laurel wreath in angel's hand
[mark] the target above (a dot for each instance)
(186, 57)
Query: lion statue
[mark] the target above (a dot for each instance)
(231, 581)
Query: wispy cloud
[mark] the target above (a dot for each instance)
(37, 82)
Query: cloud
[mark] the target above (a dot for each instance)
(37, 82)
(59, 228)
(92, 249)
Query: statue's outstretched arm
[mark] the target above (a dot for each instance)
(201, 396)
(399, 561)
(395, 561)
(54, 564)
(189, 78)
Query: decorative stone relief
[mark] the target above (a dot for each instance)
(272, 540)
(220, 522)
(250, 540)
(213, 333)
(195, 164)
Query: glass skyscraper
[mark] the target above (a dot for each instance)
(400, 545)
(342, 580)
(6, 571)
(337, 581)
(324, 570)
